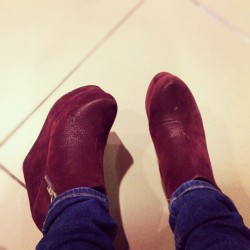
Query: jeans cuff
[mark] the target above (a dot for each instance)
(78, 192)
(189, 186)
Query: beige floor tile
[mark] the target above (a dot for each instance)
(180, 38)
(231, 13)
(41, 43)
(17, 228)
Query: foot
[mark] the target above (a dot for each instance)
(68, 152)
(177, 132)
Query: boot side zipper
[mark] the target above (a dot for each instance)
(50, 188)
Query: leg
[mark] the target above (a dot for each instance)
(65, 166)
(201, 216)
(79, 219)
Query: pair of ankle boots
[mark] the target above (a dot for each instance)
(68, 152)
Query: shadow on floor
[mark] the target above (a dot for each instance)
(143, 208)
(117, 161)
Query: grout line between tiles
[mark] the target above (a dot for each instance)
(12, 176)
(223, 21)
(88, 55)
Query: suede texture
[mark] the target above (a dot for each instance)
(177, 132)
(69, 148)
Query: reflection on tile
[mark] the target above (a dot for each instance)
(232, 14)
(17, 230)
(41, 42)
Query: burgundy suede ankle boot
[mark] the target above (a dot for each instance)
(177, 132)
(68, 152)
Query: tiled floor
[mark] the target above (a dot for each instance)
(48, 48)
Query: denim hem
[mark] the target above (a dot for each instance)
(78, 219)
(189, 186)
(78, 192)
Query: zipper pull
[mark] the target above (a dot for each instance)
(50, 188)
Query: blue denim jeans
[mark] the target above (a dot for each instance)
(78, 219)
(201, 217)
